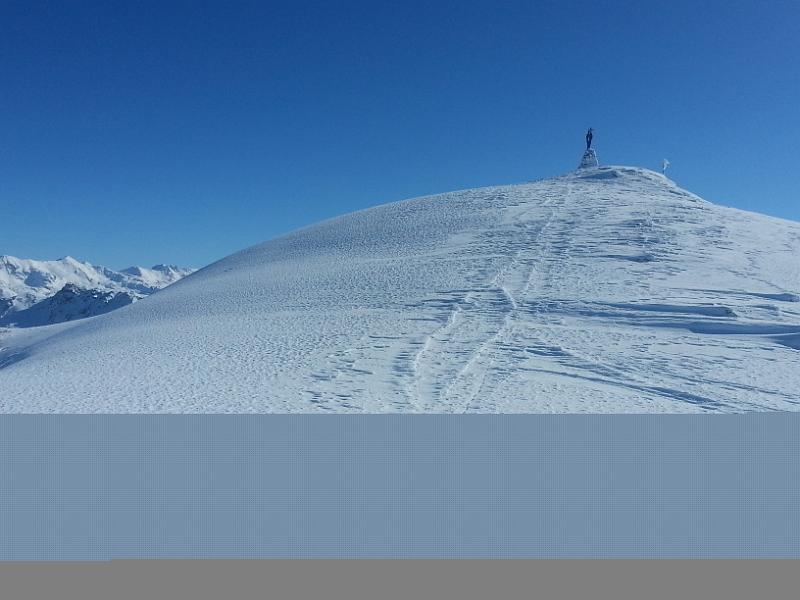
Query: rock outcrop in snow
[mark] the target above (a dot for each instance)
(609, 289)
(589, 159)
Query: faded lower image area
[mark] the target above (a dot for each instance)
(607, 290)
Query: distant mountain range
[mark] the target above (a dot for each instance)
(42, 292)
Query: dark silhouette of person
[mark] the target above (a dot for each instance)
(589, 137)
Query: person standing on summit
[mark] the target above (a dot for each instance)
(589, 138)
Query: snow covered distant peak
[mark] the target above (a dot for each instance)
(147, 281)
(24, 282)
(68, 304)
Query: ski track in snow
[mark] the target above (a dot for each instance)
(604, 290)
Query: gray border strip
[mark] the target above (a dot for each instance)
(402, 580)
(75, 487)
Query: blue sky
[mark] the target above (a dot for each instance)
(146, 132)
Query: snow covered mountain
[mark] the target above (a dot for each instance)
(68, 304)
(24, 283)
(608, 289)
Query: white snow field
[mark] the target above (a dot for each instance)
(605, 290)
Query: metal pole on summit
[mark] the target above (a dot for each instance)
(589, 137)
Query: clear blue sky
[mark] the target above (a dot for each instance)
(145, 132)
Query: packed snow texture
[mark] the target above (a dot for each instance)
(605, 290)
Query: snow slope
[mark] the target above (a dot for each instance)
(605, 290)
(24, 282)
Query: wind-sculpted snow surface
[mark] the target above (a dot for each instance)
(606, 290)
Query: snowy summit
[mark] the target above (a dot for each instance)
(609, 289)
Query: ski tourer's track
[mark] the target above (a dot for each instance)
(605, 290)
